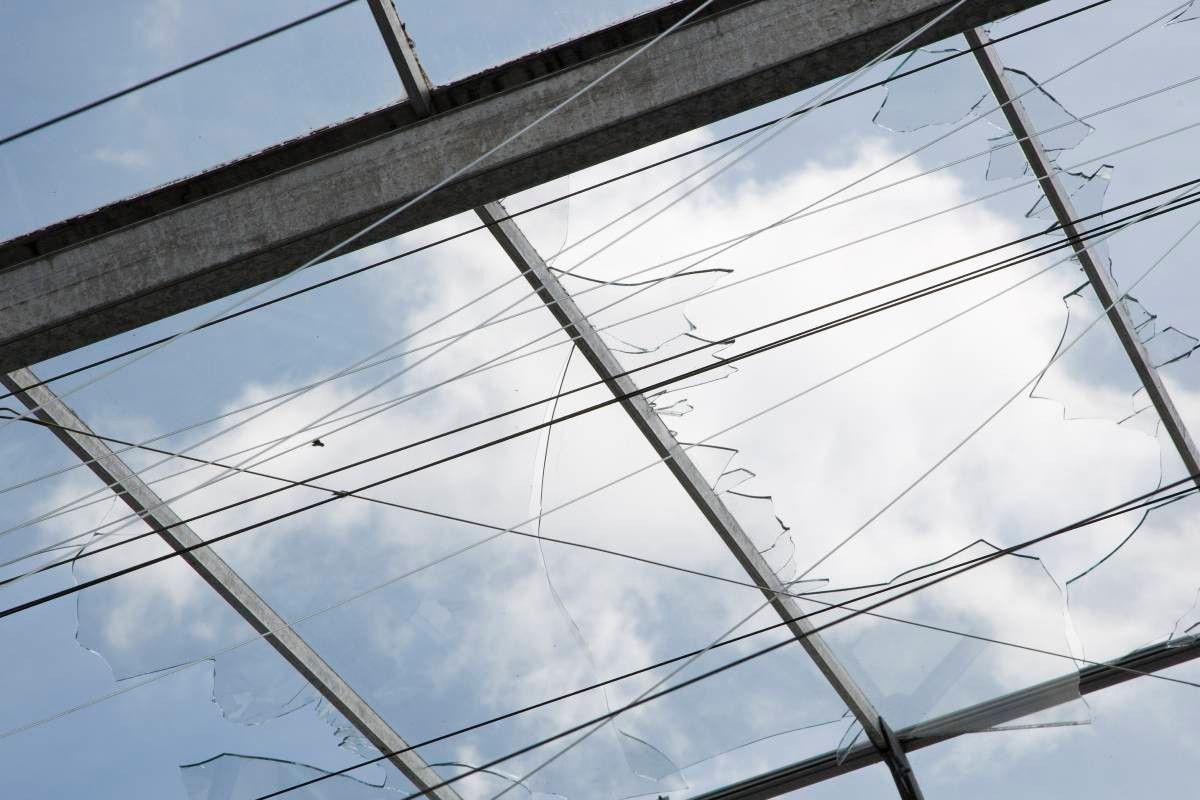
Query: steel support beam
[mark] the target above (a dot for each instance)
(979, 717)
(204, 237)
(597, 353)
(141, 499)
(1097, 273)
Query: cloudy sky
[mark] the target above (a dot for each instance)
(806, 443)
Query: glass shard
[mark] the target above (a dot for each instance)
(1095, 379)
(237, 777)
(1187, 14)
(1086, 191)
(942, 648)
(1057, 129)
(1135, 594)
(938, 95)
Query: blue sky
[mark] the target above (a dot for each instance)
(510, 622)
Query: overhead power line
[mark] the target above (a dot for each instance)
(987, 270)
(401, 208)
(810, 596)
(708, 344)
(560, 198)
(1147, 500)
(361, 364)
(500, 360)
(1104, 231)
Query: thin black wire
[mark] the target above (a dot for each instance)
(713, 365)
(1142, 501)
(808, 595)
(173, 72)
(618, 397)
(560, 198)
(728, 340)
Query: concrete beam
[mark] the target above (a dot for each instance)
(205, 237)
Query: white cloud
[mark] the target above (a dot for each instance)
(161, 23)
(829, 460)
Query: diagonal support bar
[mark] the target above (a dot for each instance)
(1101, 280)
(108, 467)
(597, 353)
(576, 324)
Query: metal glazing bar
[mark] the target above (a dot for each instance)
(1098, 275)
(979, 717)
(897, 763)
(597, 353)
(125, 483)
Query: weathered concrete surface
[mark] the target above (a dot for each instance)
(205, 237)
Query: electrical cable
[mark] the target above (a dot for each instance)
(864, 612)
(149, 562)
(948, 11)
(1102, 50)
(1143, 501)
(728, 339)
(936, 465)
(979, 272)
(1152, 503)
(362, 365)
(162, 674)
(12, 137)
(847, 79)
(268, 285)
(725, 286)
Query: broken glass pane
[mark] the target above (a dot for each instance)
(1134, 594)
(941, 649)
(936, 96)
(1086, 191)
(694, 609)
(1057, 129)
(1095, 379)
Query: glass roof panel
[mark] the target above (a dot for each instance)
(428, 604)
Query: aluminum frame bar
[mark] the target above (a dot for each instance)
(73, 432)
(608, 368)
(978, 717)
(1098, 276)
